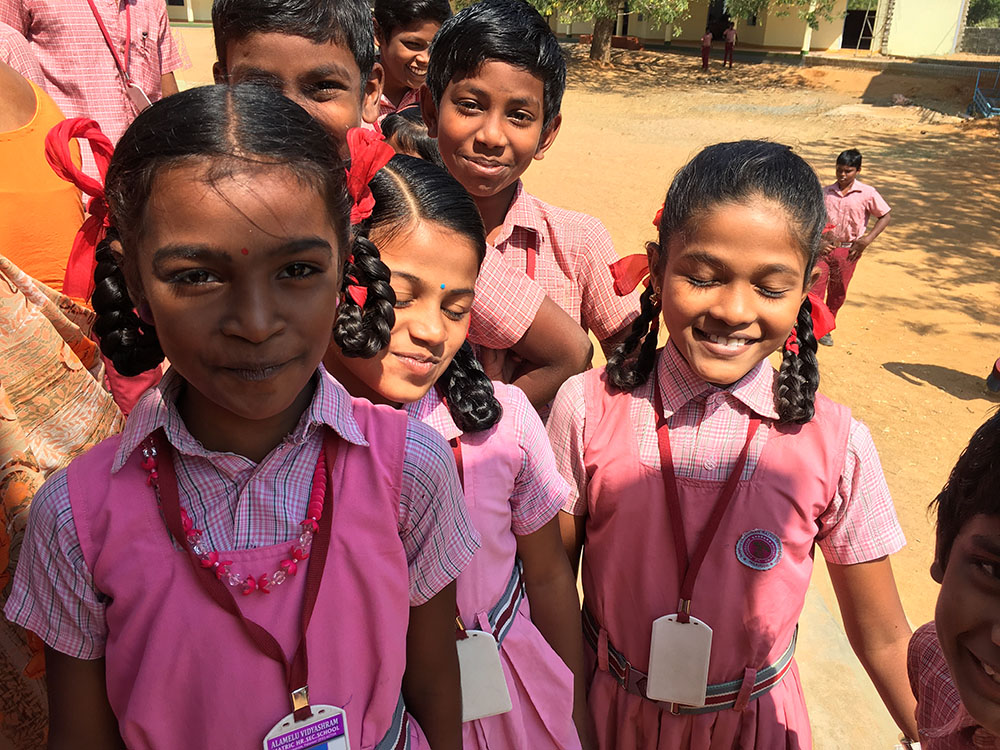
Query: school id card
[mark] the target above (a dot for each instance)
(326, 729)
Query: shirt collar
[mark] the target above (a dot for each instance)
(679, 384)
(331, 405)
(523, 212)
(433, 411)
(856, 187)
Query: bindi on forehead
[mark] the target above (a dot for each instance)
(244, 251)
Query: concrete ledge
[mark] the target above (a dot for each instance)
(956, 69)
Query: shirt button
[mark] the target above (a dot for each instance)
(709, 463)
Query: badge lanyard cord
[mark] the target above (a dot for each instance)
(296, 672)
(689, 567)
(122, 67)
(456, 449)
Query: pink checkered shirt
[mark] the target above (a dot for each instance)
(707, 424)
(386, 107)
(943, 722)
(850, 213)
(506, 303)
(572, 255)
(80, 71)
(14, 51)
(240, 505)
(539, 490)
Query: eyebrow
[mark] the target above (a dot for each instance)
(181, 251)
(419, 281)
(987, 543)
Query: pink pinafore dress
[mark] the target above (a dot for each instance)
(630, 574)
(181, 671)
(539, 682)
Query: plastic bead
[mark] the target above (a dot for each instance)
(315, 510)
(249, 586)
(210, 559)
(148, 463)
(222, 569)
(234, 579)
(290, 567)
(310, 524)
(263, 584)
(278, 577)
(299, 554)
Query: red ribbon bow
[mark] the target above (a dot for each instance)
(658, 217)
(355, 291)
(79, 279)
(369, 153)
(822, 322)
(629, 272)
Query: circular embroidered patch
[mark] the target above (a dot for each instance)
(759, 549)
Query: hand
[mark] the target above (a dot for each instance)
(858, 247)
(826, 245)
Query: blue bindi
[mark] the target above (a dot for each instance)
(442, 286)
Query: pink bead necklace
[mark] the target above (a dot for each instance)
(209, 558)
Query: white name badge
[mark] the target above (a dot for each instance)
(484, 688)
(138, 97)
(678, 661)
(326, 729)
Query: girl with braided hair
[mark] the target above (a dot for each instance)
(257, 555)
(428, 231)
(703, 479)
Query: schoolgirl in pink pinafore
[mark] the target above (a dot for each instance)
(511, 488)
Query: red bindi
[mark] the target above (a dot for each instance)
(245, 251)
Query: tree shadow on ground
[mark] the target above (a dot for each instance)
(958, 384)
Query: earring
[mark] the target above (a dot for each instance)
(654, 298)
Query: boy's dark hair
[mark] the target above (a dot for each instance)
(231, 131)
(408, 128)
(407, 190)
(345, 22)
(735, 173)
(393, 14)
(849, 158)
(973, 487)
(509, 31)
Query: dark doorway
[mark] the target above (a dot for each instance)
(718, 18)
(859, 27)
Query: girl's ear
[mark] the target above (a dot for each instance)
(132, 281)
(937, 571)
(372, 93)
(655, 269)
(429, 111)
(810, 283)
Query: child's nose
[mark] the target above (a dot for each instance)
(253, 317)
(429, 329)
(490, 132)
(733, 305)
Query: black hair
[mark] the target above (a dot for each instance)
(393, 14)
(849, 158)
(406, 190)
(344, 22)
(735, 173)
(509, 31)
(229, 130)
(973, 487)
(408, 128)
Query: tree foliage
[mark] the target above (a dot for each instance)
(810, 11)
(983, 13)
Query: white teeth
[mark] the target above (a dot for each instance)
(729, 343)
(991, 672)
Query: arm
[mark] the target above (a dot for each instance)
(168, 84)
(555, 610)
(879, 633)
(431, 686)
(573, 530)
(79, 712)
(862, 242)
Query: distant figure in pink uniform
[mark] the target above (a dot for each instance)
(703, 479)
(519, 587)
(706, 48)
(729, 35)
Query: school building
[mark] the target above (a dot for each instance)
(909, 28)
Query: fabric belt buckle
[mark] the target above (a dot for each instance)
(635, 681)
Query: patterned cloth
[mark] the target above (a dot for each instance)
(572, 255)
(80, 71)
(506, 303)
(386, 107)
(943, 722)
(239, 505)
(52, 408)
(707, 425)
(850, 213)
(14, 51)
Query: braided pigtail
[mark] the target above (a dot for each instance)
(129, 342)
(363, 331)
(625, 370)
(798, 378)
(469, 393)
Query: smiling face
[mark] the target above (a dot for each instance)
(968, 618)
(731, 288)
(489, 127)
(434, 272)
(404, 54)
(242, 279)
(323, 78)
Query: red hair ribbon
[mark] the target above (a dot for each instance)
(629, 272)
(822, 323)
(369, 153)
(79, 279)
(356, 291)
(659, 215)
(828, 228)
(792, 342)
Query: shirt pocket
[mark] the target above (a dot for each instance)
(145, 58)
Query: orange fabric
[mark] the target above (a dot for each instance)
(39, 213)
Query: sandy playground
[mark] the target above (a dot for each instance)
(921, 327)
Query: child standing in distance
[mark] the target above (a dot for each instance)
(342, 523)
(703, 479)
(519, 586)
(404, 30)
(850, 204)
(706, 48)
(730, 36)
(321, 55)
(495, 86)
(954, 661)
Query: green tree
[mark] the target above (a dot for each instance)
(810, 11)
(983, 13)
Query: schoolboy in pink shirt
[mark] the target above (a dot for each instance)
(495, 84)
(706, 48)
(954, 661)
(730, 36)
(321, 55)
(850, 204)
